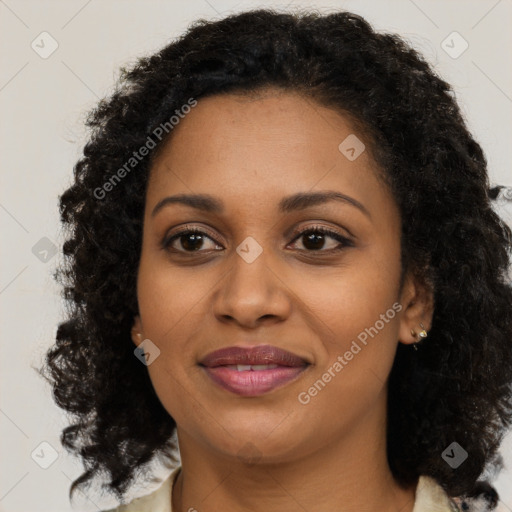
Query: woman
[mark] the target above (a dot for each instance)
(283, 250)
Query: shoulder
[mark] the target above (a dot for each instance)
(431, 497)
(158, 500)
(484, 498)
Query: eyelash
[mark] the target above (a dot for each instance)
(344, 241)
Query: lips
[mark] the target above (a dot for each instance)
(260, 355)
(252, 371)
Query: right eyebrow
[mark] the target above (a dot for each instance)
(204, 202)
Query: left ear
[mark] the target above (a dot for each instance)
(417, 300)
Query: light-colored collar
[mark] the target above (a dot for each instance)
(431, 497)
(157, 501)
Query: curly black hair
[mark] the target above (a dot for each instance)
(456, 387)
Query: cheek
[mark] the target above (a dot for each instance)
(355, 313)
(358, 317)
(168, 298)
(172, 307)
(350, 298)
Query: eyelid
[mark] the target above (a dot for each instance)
(330, 231)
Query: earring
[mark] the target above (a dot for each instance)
(138, 334)
(422, 335)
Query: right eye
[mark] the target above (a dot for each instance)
(190, 239)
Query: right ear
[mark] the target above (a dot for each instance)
(136, 333)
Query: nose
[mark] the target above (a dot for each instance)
(252, 293)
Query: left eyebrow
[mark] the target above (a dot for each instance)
(304, 200)
(299, 201)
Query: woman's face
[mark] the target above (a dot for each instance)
(252, 279)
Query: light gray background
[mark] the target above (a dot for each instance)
(43, 103)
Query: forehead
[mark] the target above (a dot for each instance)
(260, 147)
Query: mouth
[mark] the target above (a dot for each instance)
(253, 371)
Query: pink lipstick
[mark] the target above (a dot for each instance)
(252, 371)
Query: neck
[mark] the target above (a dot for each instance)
(346, 474)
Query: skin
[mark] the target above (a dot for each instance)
(271, 452)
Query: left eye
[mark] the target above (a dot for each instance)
(313, 239)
